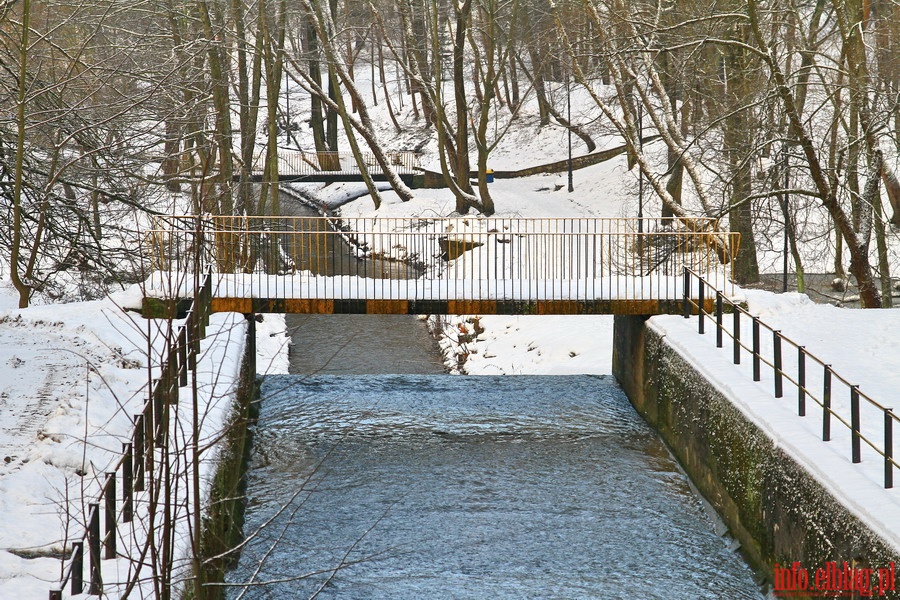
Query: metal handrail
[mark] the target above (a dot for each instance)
(692, 306)
(181, 356)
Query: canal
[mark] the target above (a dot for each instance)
(423, 485)
(375, 475)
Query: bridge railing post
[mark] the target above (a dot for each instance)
(736, 333)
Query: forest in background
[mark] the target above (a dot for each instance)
(781, 117)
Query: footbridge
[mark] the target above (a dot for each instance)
(331, 167)
(454, 265)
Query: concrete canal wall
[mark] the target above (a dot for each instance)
(224, 517)
(776, 510)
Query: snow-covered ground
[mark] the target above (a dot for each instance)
(71, 378)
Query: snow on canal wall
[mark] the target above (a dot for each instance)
(795, 526)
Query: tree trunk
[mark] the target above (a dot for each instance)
(463, 12)
(219, 75)
(21, 286)
(859, 260)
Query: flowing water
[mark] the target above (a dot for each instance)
(439, 486)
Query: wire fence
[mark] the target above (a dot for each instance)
(866, 420)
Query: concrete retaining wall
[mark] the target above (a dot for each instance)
(222, 524)
(776, 510)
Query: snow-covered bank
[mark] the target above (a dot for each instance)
(526, 345)
(859, 345)
(73, 376)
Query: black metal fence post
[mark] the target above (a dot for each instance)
(888, 448)
(156, 399)
(182, 357)
(718, 319)
(776, 359)
(171, 377)
(686, 300)
(148, 437)
(854, 423)
(801, 381)
(736, 333)
(826, 405)
(127, 484)
(139, 453)
(701, 306)
(190, 326)
(77, 572)
(109, 514)
(757, 375)
(96, 583)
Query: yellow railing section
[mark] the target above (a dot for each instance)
(454, 258)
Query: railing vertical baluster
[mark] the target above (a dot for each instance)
(171, 377)
(801, 381)
(109, 515)
(701, 306)
(156, 399)
(826, 405)
(55, 595)
(96, 584)
(736, 334)
(719, 328)
(686, 301)
(182, 357)
(854, 423)
(756, 359)
(779, 386)
(77, 572)
(139, 453)
(888, 448)
(127, 484)
(148, 437)
(193, 333)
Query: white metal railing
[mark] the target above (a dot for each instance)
(457, 258)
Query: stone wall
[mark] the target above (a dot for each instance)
(776, 510)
